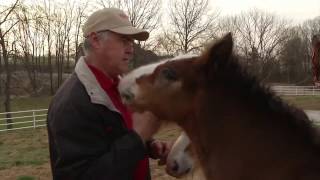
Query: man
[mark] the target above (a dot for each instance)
(92, 135)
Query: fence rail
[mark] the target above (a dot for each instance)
(37, 118)
(297, 90)
(23, 119)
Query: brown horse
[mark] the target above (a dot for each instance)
(239, 129)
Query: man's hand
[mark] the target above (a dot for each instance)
(160, 150)
(145, 124)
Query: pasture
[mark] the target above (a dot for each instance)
(24, 153)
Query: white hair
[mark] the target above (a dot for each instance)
(86, 47)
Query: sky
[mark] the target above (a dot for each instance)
(297, 10)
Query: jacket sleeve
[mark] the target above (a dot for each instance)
(84, 148)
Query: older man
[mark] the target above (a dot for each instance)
(92, 135)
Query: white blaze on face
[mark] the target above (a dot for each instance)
(179, 161)
(128, 88)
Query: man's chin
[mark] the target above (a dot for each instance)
(123, 71)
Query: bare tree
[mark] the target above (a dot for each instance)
(79, 17)
(143, 14)
(29, 32)
(165, 44)
(62, 21)
(260, 37)
(47, 10)
(6, 24)
(189, 20)
(312, 26)
(226, 24)
(293, 57)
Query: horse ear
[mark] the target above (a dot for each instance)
(220, 52)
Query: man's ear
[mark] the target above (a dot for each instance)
(94, 40)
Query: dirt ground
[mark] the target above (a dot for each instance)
(43, 172)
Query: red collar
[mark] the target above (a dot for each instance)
(110, 86)
(106, 82)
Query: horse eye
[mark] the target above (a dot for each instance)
(169, 74)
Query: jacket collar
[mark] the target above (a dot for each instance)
(94, 90)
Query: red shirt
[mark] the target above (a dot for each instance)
(110, 86)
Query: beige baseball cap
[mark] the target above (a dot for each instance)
(114, 20)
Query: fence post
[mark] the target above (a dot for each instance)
(34, 119)
(313, 90)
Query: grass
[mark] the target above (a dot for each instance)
(21, 104)
(23, 147)
(24, 154)
(304, 102)
(26, 178)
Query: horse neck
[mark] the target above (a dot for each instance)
(226, 131)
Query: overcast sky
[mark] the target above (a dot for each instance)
(297, 10)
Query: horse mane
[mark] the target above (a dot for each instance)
(238, 81)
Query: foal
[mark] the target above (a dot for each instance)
(239, 129)
(181, 161)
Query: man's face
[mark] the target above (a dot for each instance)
(115, 52)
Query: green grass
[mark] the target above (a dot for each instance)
(304, 102)
(21, 104)
(23, 147)
(30, 147)
(26, 178)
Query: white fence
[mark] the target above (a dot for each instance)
(37, 118)
(23, 119)
(297, 90)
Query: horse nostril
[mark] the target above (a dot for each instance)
(175, 167)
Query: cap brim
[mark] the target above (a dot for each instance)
(135, 33)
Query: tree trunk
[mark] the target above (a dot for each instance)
(61, 68)
(33, 79)
(51, 72)
(29, 66)
(68, 55)
(7, 92)
(15, 57)
(0, 73)
(43, 58)
(58, 67)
